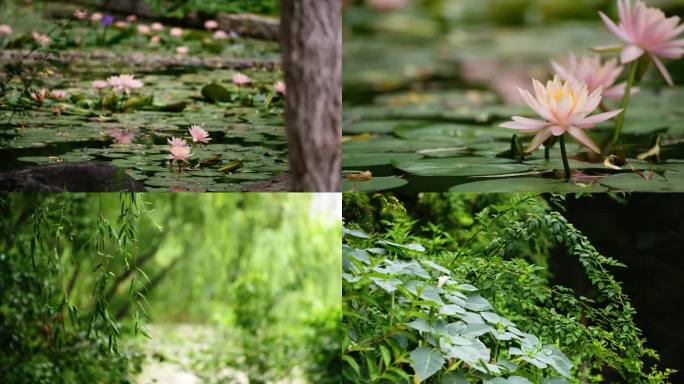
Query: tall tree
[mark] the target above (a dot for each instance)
(311, 39)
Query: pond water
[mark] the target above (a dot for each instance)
(245, 123)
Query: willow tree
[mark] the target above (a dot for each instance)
(311, 39)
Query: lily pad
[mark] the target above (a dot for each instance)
(374, 184)
(214, 92)
(526, 184)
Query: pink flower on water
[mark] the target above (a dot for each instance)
(198, 134)
(121, 24)
(5, 30)
(80, 14)
(387, 5)
(211, 24)
(179, 152)
(157, 27)
(125, 83)
(220, 35)
(143, 29)
(590, 70)
(154, 40)
(39, 95)
(131, 18)
(41, 39)
(564, 107)
(176, 32)
(647, 30)
(279, 87)
(100, 84)
(121, 136)
(58, 95)
(176, 142)
(241, 79)
(182, 50)
(97, 16)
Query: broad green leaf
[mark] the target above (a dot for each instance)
(426, 362)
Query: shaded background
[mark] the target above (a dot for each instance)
(645, 233)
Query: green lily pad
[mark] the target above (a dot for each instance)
(374, 184)
(371, 159)
(455, 166)
(214, 92)
(672, 182)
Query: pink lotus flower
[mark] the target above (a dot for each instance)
(125, 83)
(80, 14)
(131, 18)
(211, 24)
(279, 87)
(5, 30)
(39, 95)
(647, 30)
(143, 29)
(595, 74)
(176, 142)
(121, 136)
(157, 27)
(100, 84)
(97, 16)
(387, 5)
(178, 152)
(41, 39)
(182, 50)
(564, 107)
(241, 79)
(154, 40)
(58, 95)
(121, 24)
(220, 35)
(198, 134)
(176, 32)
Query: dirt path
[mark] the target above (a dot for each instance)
(172, 351)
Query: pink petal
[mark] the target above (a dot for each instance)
(537, 123)
(532, 103)
(591, 120)
(557, 130)
(582, 137)
(560, 71)
(663, 71)
(538, 140)
(613, 28)
(518, 125)
(630, 53)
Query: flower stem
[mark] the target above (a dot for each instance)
(625, 100)
(566, 166)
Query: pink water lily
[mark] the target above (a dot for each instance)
(647, 30)
(58, 95)
(198, 134)
(177, 142)
(121, 136)
(176, 32)
(100, 84)
(241, 79)
(80, 14)
(144, 29)
(5, 29)
(594, 73)
(279, 87)
(43, 40)
(220, 35)
(211, 24)
(97, 16)
(157, 26)
(183, 50)
(39, 95)
(564, 107)
(125, 83)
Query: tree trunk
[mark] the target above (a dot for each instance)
(311, 41)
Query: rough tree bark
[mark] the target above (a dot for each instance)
(311, 41)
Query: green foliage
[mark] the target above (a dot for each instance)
(46, 337)
(180, 8)
(504, 253)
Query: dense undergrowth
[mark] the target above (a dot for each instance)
(456, 289)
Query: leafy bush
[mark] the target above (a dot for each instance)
(395, 305)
